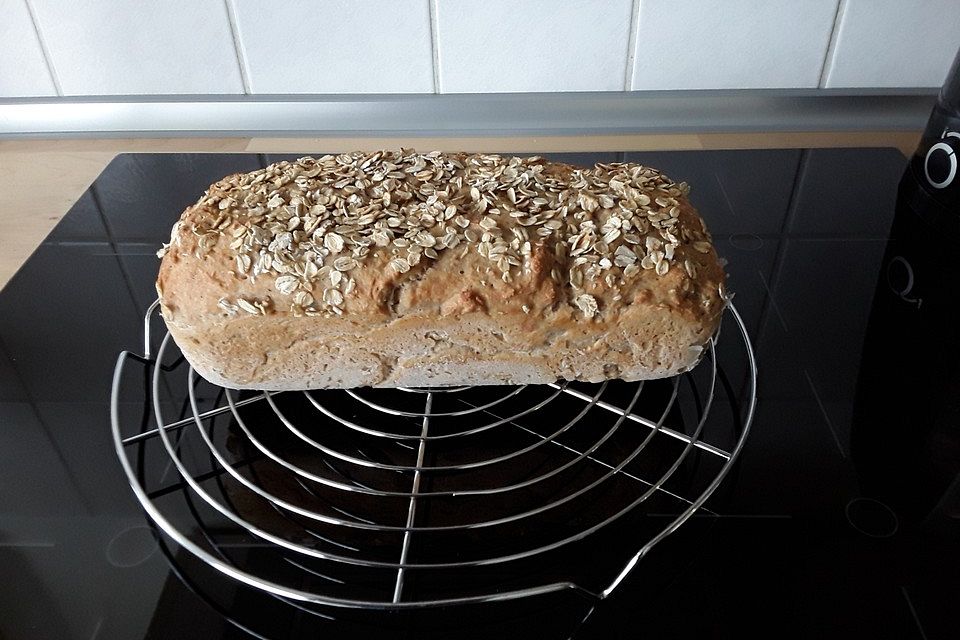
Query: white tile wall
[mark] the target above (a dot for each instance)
(892, 43)
(122, 47)
(532, 45)
(336, 46)
(718, 44)
(23, 71)
(105, 47)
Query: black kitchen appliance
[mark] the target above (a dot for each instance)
(906, 434)
(795, 542)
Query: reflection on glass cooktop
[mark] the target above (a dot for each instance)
(800, 549)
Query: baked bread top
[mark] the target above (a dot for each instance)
(370, 237)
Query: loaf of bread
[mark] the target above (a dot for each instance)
(395, 269)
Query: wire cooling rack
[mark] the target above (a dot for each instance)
(413, 498)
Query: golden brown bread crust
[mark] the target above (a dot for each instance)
(403, 269)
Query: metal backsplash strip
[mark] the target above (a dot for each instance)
(538, 114)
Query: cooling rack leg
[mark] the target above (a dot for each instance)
(415, 490)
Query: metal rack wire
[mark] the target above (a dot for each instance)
(415, 498)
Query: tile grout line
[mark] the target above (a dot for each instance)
(238, 45)
(435, 43)
(831, 52)
(47, 58)
(632, 46)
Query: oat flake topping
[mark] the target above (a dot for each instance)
(313, 221)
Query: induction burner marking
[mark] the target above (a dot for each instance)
(823, 412)
(746, 241)
(131, 547)
(913, 612)
(872, 518)
(96, 629)
(723, 192)
(773, 301)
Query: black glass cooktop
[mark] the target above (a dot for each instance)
(824, 530)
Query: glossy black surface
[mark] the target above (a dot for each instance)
(804, 546)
